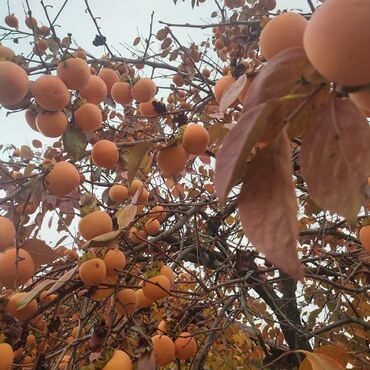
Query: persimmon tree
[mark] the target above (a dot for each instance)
(208, 202)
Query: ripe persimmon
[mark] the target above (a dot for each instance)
(185, 346)
(162, 327)
(195, 139)
(221, 86)
(152, 226)
(135, 185)
(25, 312)
(92, 272)
(6, 53)
(52, 124)
(94, 224)
(105, 154)
(335, 40)
(136, 236)
(12, 276)
(172, 160)
(157, 287)
(158, 213)
(119, 361)
(167, 271)
(7, 233)
(105, 289)
(144, 90)
(109, 76)
(126, 301)
(282, 32)
(142, 300)
(6, 355)
(148, 109)
(74, 72)
(62, 179)
(121, 93)
(95, 90)
(118, 193)
(13, 83)
(115, 261)
(30, 340)
(12, 21)
(30, 22)
(51, 93)
(30, 116)
(364, 236)
(88, 117)
(164, 349)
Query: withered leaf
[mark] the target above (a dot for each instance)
(40, 252)
(232, 157)
(268, 206)
(335, 157)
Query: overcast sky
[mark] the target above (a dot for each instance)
(121, 21)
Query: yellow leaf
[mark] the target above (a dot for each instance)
(319, 361)
(125, 215)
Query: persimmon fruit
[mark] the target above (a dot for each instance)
(13, 83)
(51, 93)
(195, 139)
(109, 76)
(172, 160)
(105, 153)
(23, 313)
(9, 275)
(88, 117)
(121, 93)
(6, 53)
(51, 124)
(62, 179)
(7, 233)
(74, 72)
(118, 193)
(144, 90)
(185, 346)
(336, 39)
(115, 261)
(282, 32)
(94, 224)
(152, 226)
(30, 115)
(157, 287)
(364, 236)
(167, 271)
(95, 91)
(119, 361)
(12, 21)
(92, 272)
(126, 301)
(7, 356)
(164, 349)
(142, 300)
(221, 86)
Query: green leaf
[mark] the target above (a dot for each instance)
(135, 158)
(75, 143)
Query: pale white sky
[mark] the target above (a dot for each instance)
(121, 21)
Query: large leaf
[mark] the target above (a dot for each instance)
(75, 143)
(281, 76)
(63, 280)
(232, 156)
(335, 157)
(40, 252)
(338, 353)
(233, 92)
(319, 361)
(268, 206)
(147, 361)
(33, 293)
(135, 158)
(103, 240)
(126, 215)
